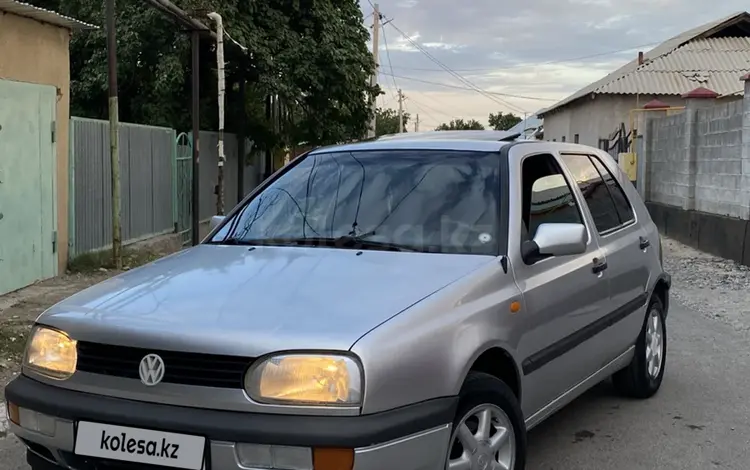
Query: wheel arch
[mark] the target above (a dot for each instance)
(499, 362)
(661, 290)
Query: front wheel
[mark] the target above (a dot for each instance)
(643, 377)
(488, 431)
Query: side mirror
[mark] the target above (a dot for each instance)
(215, 221)
(555, 240)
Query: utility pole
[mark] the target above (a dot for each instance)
(416, 124)
(220, 69)
(374, 77)
(400, 111)
(114, 145)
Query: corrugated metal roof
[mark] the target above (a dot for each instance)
(676, 83)
(714, 63)
(45, 16)
(701, 55)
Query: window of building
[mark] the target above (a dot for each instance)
(575, 138)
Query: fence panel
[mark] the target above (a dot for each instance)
(146, 183)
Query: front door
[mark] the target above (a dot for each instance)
(562, 295)
(27, 184)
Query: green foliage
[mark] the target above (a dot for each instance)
(503, 121)
(461, 125)
(386, 121)
(312, 56)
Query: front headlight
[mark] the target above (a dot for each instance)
(51, 353)
(306, 379)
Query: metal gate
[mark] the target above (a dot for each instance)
(183, 174)
(28, 193)
(618, 142)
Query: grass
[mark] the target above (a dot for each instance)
(96, 261)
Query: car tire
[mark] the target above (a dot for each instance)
(484, 395)
(642, 378)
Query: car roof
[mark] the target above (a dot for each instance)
(458, 134)
(480, 141)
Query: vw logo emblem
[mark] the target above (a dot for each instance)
(151, 370)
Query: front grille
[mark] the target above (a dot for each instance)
(206, 370)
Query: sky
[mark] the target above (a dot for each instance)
(538, 50)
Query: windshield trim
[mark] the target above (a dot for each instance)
(504, 190)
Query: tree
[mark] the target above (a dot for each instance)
(311, 56)
(386, 121)
(503, 121)
(461, 125)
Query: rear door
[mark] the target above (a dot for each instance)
(625, 247)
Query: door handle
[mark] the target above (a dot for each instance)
(599, 265)
(643, 243)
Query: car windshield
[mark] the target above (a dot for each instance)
(422, 200)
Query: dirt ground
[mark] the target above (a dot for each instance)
(19, 310)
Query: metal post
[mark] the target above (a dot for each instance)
(241, 143)
(196, 140)
(400, 111)
(114, 146)
(268, 167)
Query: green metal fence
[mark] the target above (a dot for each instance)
(182, 197)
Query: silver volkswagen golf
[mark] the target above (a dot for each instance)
(408, 304)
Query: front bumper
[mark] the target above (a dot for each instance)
(409, 438)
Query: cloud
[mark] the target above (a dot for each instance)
(545, 49)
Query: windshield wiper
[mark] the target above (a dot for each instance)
(362, 241)
(232, 242)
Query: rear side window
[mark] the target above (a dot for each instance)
(624, 209)
(595, 191)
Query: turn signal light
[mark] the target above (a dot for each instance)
(333, 459)
(13, 414)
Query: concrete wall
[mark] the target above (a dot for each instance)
(697, 172)
(667, 167)
(36, 52)
(694, 159)
(718, 168)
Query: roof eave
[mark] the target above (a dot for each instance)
(26, 10)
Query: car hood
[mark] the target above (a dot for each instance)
(234, 300)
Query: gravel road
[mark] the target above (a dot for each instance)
(699, 420)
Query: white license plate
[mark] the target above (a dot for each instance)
(140, 446)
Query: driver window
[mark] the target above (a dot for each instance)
(547, 198)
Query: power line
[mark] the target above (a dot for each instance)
(454, 74)
(388, 54)
(509, 95)
(441, 104)
(537, 64)
(422, 106)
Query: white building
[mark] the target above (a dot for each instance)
(712, 56)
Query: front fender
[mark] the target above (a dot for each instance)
(426, 351)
